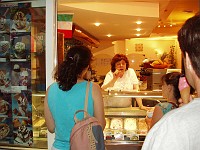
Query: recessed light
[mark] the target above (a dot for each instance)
(108, 35)
(138, 34)
(187, 11)
(78, 30)
(97, 24)
(158, 26)
(139, 22)
(138, 29)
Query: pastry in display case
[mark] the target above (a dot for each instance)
(142, 126)
(130, 124)
(116, 123)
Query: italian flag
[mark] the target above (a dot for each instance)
(65, 24)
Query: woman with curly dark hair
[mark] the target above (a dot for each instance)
(67, 95)
(122, 78)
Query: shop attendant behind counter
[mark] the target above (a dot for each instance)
(121, 78)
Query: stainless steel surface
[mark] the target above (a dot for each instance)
(125, 112)
(154, 80)
(141, 94)
(115, 142)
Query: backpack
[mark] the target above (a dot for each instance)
(87, 134)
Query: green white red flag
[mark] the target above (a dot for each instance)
(65, 24)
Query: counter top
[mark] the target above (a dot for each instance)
(141, 94)
(125, 112)
(115, 142)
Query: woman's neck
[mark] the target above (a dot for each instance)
(172, 100)
(80, 80)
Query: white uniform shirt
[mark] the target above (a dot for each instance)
(179, 129)
(125, 83)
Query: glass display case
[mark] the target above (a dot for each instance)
(39, 127)
(125, 126)
(38, 79)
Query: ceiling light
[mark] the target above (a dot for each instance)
(97, 24)
(138, 29)
(138, 34)
(170, 25)
(78, 30)
(139, 22)
(108, 35)
(164, 26)
(158, 26)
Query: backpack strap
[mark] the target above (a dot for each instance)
(86, 115)
(86, 97)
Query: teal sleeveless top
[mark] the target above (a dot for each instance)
(63, 105)
(166, 107)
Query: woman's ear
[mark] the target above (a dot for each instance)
(188, 62)
(169, 87)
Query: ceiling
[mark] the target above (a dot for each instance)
(118, 17)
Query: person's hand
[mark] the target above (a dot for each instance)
(181, 101)
(145, 108)
(148, 122)
(118, 73)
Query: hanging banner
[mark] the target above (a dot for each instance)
(65, 24)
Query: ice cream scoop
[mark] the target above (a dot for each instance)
(184, 89)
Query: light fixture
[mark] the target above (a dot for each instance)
(138, 29)
(164, 26)
(108, 35)
(97, 24)
(139, 22)
(158, 26)
(170, 25)
(78, 30)
(138, 34)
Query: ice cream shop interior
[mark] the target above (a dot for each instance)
(34, 40)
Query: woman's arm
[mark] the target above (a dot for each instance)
(110, 79)
(141, 106)
(109, 84)
(135, 87)
(48, 116)
(157, 115)
(98, 105)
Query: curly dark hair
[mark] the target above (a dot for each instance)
(173, 79)
(117, 58)
(76, 60)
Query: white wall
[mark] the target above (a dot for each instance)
(151, 48)
(51, 46)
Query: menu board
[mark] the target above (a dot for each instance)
(15, 74)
